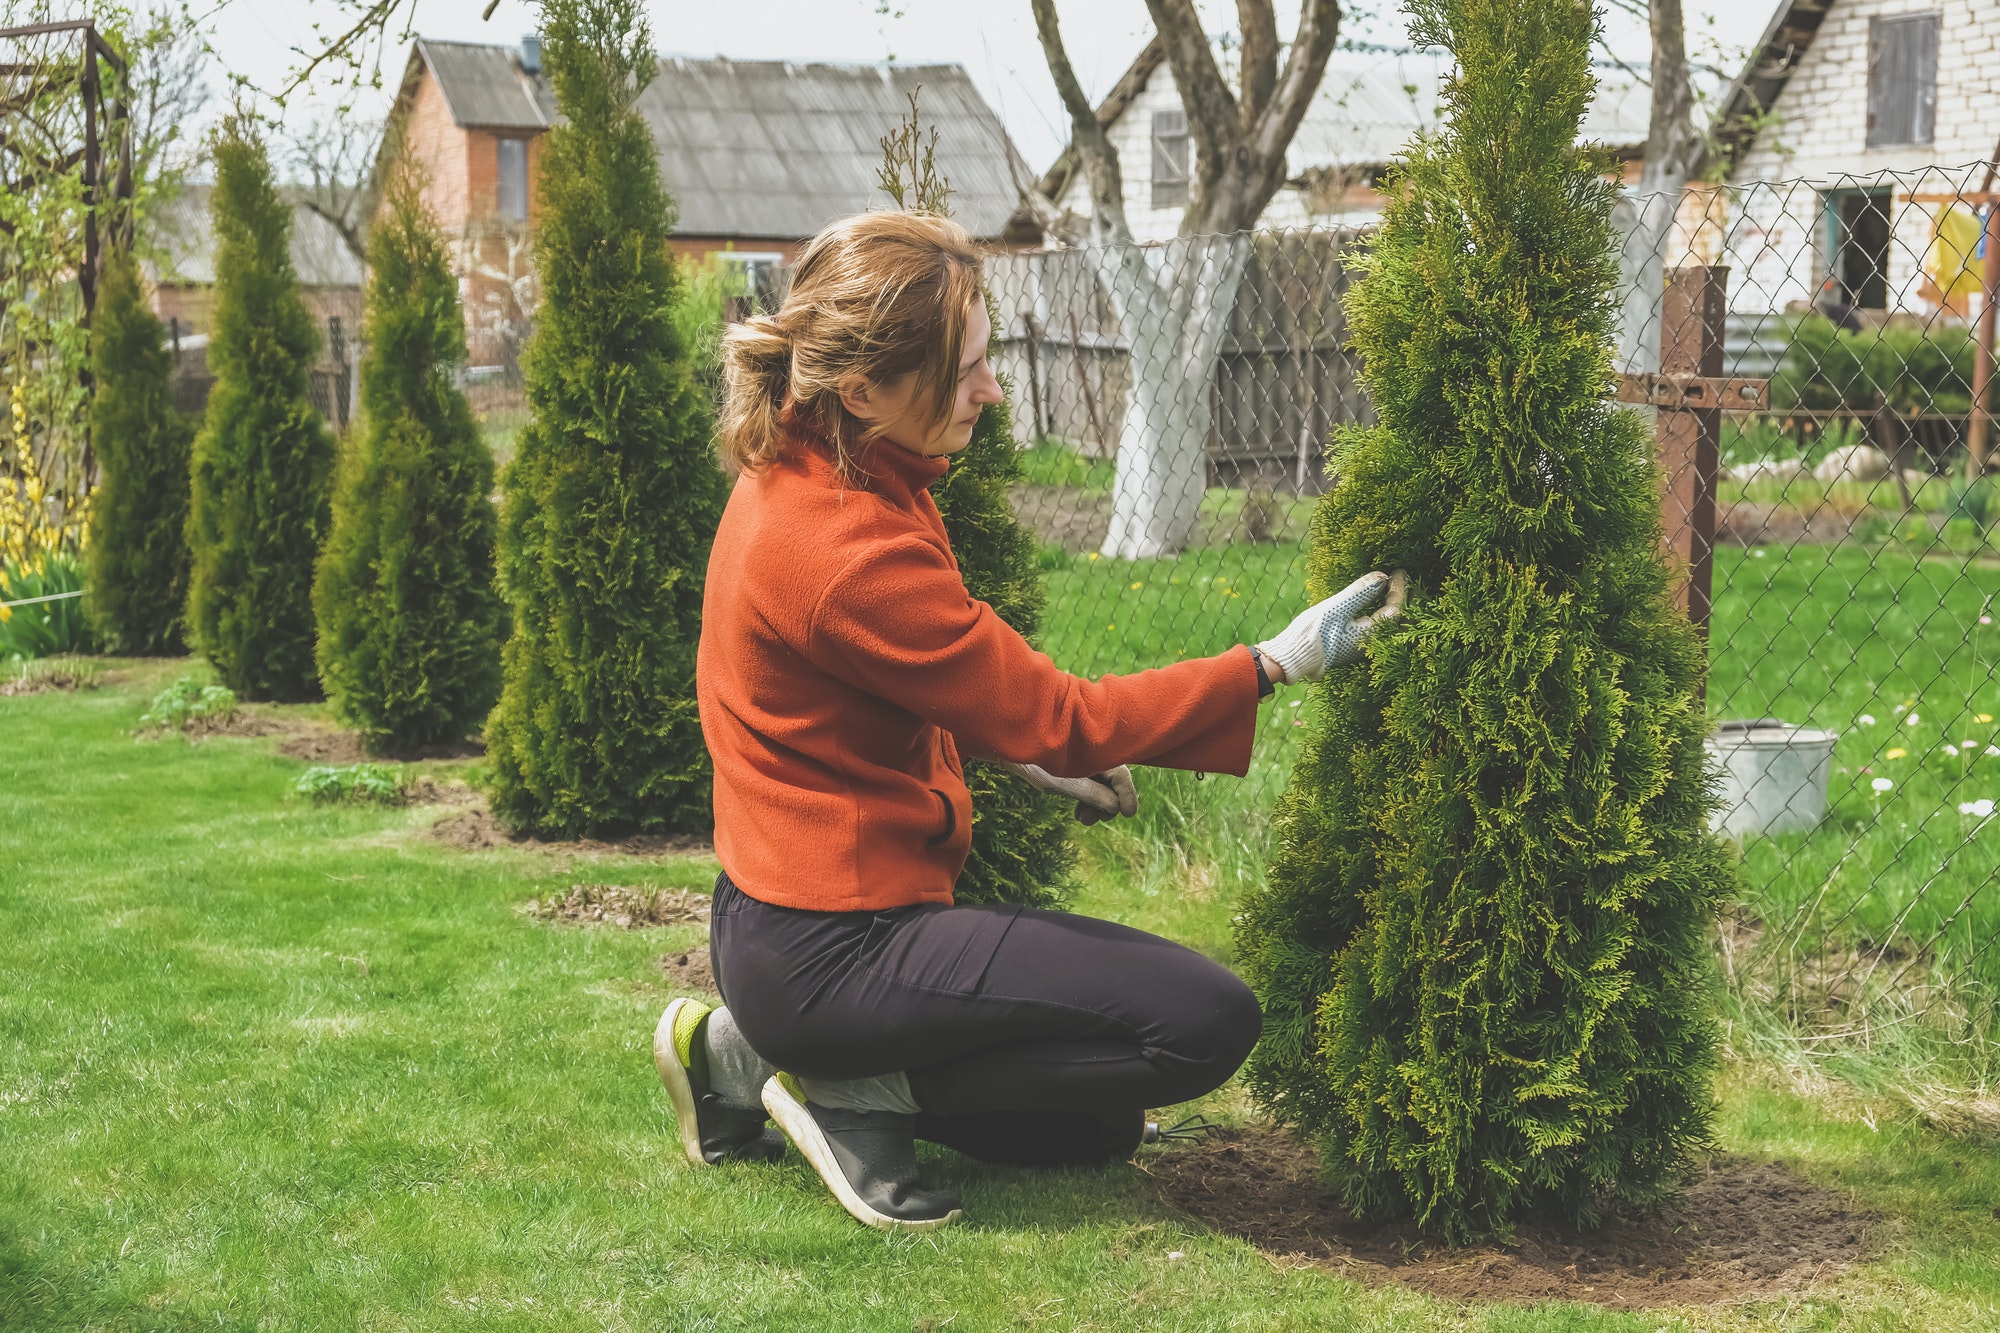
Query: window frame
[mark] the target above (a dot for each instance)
(502, 195)
(1172, 180)
(1889, 105)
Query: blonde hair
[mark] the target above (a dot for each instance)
(881, 295)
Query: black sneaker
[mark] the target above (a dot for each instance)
(867, 1158)
(712, 1131)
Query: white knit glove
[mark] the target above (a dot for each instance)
(1107, 794)
(1330, 632)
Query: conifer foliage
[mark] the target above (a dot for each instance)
(410, 625)
(1021, 849)
(612, 501)
(138, 515)
(263, 459)
(1481, 948)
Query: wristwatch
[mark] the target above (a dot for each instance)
(1265, 689)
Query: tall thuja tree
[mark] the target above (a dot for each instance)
(263, 459)
(137, 551)
(410, 625)
(1481, 948)
(1021, 848)
(612, 501)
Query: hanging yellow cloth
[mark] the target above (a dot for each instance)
(1953, 265)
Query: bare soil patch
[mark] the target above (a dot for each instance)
(1743, 1229)
(615, 905)
(689, 970)
(241, 722)
(50, 674)
(323, 747)
(427, 790)
(475, 830)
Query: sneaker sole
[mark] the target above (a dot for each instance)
(804, 1132)
(674, 1075)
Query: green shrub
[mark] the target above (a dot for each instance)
(1915, 369)
(138, 555)
(263, 458)
(351, 784)
(700, 312)
(410, 625)
(611, 504)
(186, 702)
(1482, 946)
(43, 629)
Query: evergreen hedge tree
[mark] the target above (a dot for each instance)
(1021, 849)
(613, 499)
(1481, 948)
(410, 625)
(263, 459)
(137, 553)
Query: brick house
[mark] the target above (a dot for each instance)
(1876, 108)
(758, 155)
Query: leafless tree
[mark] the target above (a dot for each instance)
(1172, 302)
(332, 161)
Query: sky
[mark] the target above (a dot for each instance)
(995, 41)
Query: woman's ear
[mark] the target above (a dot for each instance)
(858, 396)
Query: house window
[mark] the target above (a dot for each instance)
(1857, 245)
(1902, 79)
(1170, 159)
(513, 179)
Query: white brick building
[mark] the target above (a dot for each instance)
(1874, 108)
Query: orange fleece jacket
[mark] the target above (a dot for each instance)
(843, 669)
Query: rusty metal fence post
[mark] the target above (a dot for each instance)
(1689, 432)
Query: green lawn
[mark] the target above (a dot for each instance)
(273, 1065)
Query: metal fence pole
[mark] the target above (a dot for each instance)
(1689, 439)
(1979, 429)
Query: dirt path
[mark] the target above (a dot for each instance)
(1744, 1229)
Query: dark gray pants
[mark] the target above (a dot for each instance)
(1027, 1035)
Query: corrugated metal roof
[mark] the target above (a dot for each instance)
(183, 232)
(768, 148)
(484, 86)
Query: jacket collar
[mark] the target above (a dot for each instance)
(892, 471)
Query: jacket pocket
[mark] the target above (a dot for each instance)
(950, 820)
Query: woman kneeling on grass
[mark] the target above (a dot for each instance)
(843, 671)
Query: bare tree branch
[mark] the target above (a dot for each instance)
(1211, 108)
(1087, 137)
(1670, 137)
(1312, 44)
(333, 161)
(1259, 77)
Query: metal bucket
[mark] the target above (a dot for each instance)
(1773, 776)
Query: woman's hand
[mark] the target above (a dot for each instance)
(1100, 797)
(1330, 633)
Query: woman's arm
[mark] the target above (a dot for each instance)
(898, 623)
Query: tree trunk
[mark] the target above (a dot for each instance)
(1173, 305)
(1647, 222)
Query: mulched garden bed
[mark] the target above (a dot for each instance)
(1743, 1230)
(614, 905)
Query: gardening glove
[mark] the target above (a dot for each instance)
(1100, 797)
(1330, 632)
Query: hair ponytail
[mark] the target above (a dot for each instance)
(881, 295)
(756, 379)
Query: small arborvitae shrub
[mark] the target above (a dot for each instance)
(611, 504)
(1021, 849)
(357, 784)
(410, 624)
(186, 702)
(137, 553)
(263, 459)
(1482, 947)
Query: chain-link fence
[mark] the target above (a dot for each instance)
(1812, 360)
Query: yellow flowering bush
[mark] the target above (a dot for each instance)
(41, 548)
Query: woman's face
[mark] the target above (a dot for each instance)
(905, 421)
